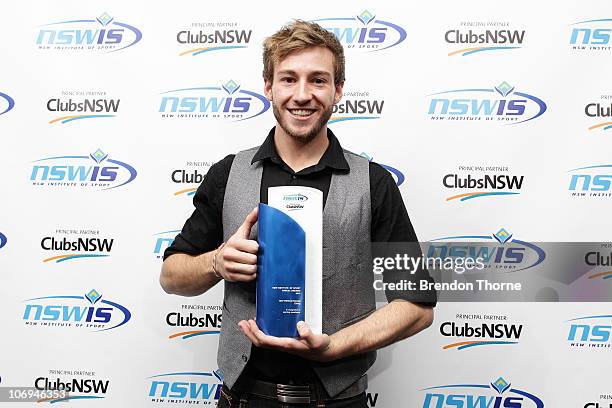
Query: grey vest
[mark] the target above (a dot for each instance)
(348, 294)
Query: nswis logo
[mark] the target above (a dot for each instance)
(470, 330)
(357, 105)
(95, 170)
(6, 103)
(78, 105)
(500, 104)
(101, 34)
(3, 240)
(498, 251)
(194, 321)
(162, 241)
(398, 176)
(364, 32)
(476, 37)
(591, 35)
(199, 387)
(225, 102)
(203, 38)
(601, 111)
(497, 394)
(69, 244)
(470, 182)
(82, 312)
(590, 332)
(77, 385)
(591, 181)
(294, 201)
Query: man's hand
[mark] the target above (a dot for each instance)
(311, 346)
(237, 260)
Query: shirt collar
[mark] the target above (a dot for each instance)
(333, 156)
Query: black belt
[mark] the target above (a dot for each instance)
(289, 394)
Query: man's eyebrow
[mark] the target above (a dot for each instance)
(286, 72)
(314, 73)
(317, 73)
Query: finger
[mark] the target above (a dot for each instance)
(284, 343)
(305, 334)
(237, 255)
(240, 277)
(239, 268)
(244, 326)
(245, 229)
(246, 245)
(308, 337)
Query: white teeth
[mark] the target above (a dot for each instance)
(301, 112)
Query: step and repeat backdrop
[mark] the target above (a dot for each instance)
(494, 119)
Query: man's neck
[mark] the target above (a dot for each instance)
(297, 155)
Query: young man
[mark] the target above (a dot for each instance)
(303, 78)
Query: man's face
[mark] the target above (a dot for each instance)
(303, 92)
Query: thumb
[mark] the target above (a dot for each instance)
(306, 334)
(245, 229)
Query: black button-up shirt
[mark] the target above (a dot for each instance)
(203, 231)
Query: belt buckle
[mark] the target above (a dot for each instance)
(293, 394)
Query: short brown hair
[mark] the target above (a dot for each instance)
(298, 36)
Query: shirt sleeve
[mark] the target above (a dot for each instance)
(391, 224)
(203, 231)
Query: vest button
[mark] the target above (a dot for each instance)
(244, 358)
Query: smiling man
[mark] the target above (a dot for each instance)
(303, 79)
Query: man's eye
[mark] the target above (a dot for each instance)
(319, 81)
(287, 79)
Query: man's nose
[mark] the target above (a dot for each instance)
(302, 93)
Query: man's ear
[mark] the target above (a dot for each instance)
(338, 93)
(268, 89)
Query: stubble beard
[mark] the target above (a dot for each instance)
(314, 131)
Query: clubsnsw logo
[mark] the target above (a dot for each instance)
(71, 106)
(605, 401)
(194, 321)
(469, 182)
(189, 177)
(77, 385)
(483, 37)
(469, 330)
(205, 38)
(600, 259)
(67, 244)
(599, 111)
(357, 105)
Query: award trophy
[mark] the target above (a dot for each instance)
(289, 262)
